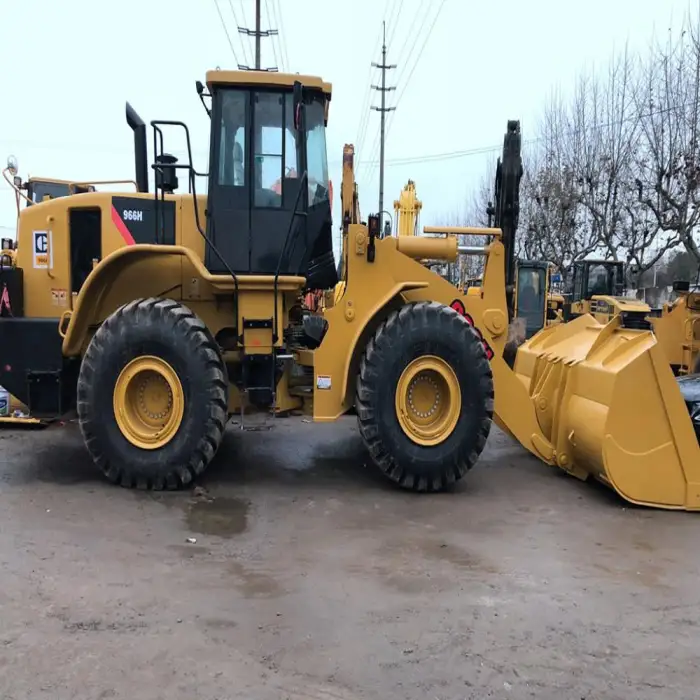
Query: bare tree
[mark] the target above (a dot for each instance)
(468, 266)
(553, 222)
(668, 108)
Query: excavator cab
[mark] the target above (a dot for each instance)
(531, 290)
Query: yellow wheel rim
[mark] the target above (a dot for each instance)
(148, 402)
(428, 400)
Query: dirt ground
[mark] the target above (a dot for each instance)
(312, 578)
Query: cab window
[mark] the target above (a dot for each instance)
(232, 170)
(531, 284)
(598, 281)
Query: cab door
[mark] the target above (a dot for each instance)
(531, 296)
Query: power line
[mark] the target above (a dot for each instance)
(246, 48)
(392, 25)
(259, 34)
(277, 12)
(420, 53)
(413, 68)
(390, 12)
(409, 36)
(96, 148)
(228, 36)
(364, 110)
(274, 50)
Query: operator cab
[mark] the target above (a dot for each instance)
(597, 278)
(269, 207)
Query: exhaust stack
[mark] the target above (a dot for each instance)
(140, 151)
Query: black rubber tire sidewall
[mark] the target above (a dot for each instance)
(170, 331)
(418, 330)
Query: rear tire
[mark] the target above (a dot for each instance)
(157, 346)
(450, 360)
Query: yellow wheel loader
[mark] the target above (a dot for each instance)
(597, 288)
(157, 315)
(29, 192)
(677, 329)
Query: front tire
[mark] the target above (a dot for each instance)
(152, 395)
(425, 396)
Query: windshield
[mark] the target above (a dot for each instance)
(601, 280)
(531, 298)
(275, 149)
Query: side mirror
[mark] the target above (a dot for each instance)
(12, 166)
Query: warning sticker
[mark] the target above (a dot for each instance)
(323, 382)
(59, 297)
(43, 249)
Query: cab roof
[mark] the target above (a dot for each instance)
(265, 79)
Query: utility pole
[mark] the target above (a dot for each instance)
(258, 34)
(384, 67)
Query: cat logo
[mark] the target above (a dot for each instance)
(43, 249)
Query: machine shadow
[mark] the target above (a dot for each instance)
(258, 457)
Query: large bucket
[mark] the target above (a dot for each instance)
(607, 400)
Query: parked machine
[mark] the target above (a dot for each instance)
(597, 288)
(677, 329)
(407, 211)
(156, 316)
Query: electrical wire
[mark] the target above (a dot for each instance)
(95, 149)
(373, 166)
(392, 25)
(410, 75)
(228, 36)
(390, 12)
(364, 110)
(409, 35)
(273, 37)
(277, 11)
(246, 48)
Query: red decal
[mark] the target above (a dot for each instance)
(458, 306)
(5, 301)
(121, 227)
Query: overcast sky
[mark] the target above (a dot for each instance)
(464, 69)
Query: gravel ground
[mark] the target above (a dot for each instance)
(311, 577)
